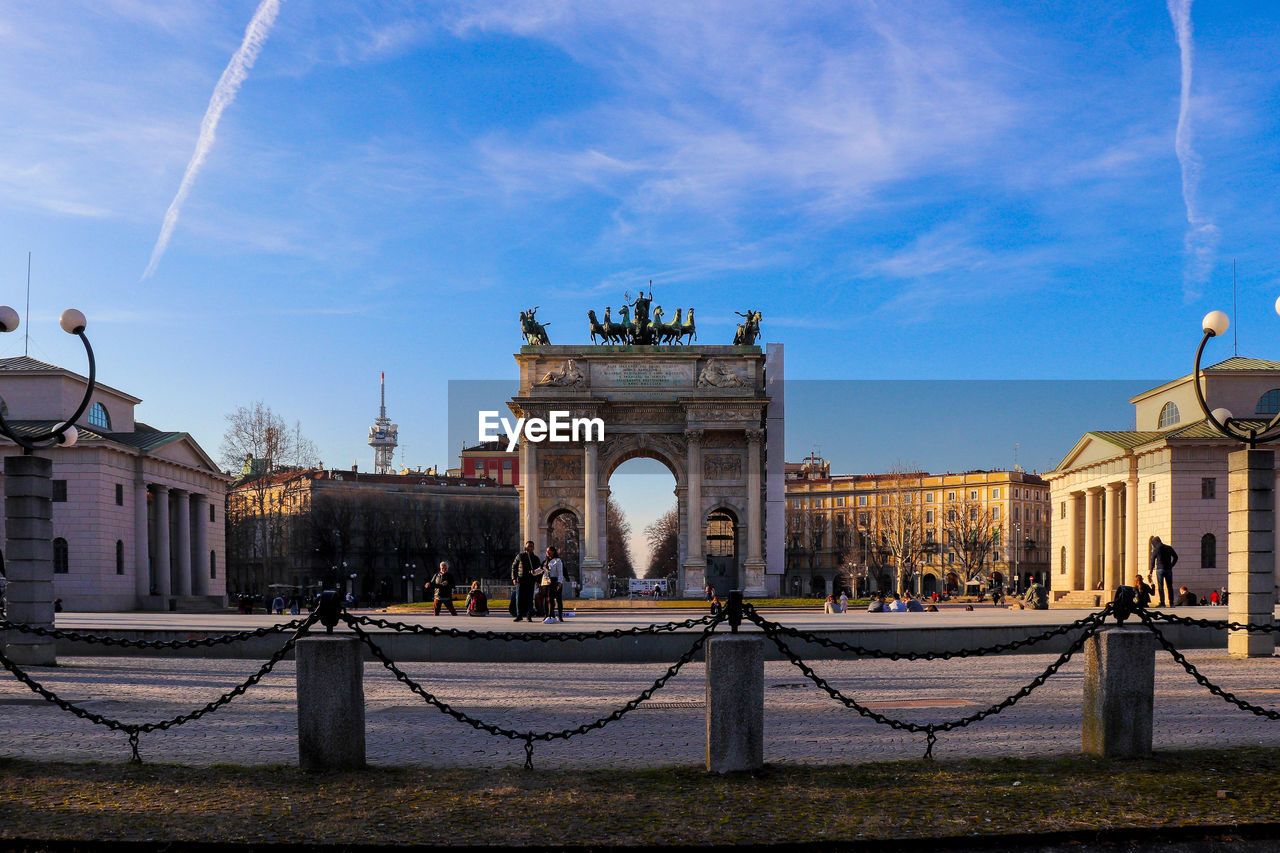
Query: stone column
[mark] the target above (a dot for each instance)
(182, 513)
(1132, 560)
(1251, 562)
(331, 728)
(592, 565)
(1112, 569)
(529, 491)
(1119, 690)
(1091, 574)
(28, 519)
(735, 703)
(1075, 574)
(753, 582)
(695, 566)
(162, 561)
(141, 542)
(200, 543)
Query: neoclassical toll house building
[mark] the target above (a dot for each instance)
(137, 511)
(1116, 489)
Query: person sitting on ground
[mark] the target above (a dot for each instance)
(830, 606)
(932, 608)
(1037, 597)
(968, 607)
(1185, 598)
(913, 606)
(876, 605)
(897, 605)
(477, 601)
(1144, 590)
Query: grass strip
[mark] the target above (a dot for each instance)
(781, 804)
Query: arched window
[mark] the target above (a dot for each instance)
(61, 564)
(1208, 551)
(98, 416)
(1169, 416)
(119, 557)
(1269, 403)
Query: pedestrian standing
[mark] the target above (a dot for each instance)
(844, 602)
(553, 582)
(1161, 562)
(525, 571)
(442, 584)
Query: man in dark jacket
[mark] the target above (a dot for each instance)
(1163, 559)
(525, 573)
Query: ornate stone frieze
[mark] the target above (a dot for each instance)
(721, 466)
(561, 466)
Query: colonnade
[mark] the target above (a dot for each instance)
(178, 568)
(1101, 547)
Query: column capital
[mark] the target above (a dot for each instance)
(694, 436)
(754, 434)
(160, 489)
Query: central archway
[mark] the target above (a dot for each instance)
(643, 490)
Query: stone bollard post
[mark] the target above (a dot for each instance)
(330, 703)
(28, 519)
(1119, 690)
(735, 703)
(1251, 580)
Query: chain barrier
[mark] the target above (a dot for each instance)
(1149, 621)
(221, 639)
(134, 730)
(548, 637)
(863, 651)
(710, 625)
(772, 631)
(1160, 616)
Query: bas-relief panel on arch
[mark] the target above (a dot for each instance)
(560, 466)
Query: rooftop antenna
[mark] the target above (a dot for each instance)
(26, 335)
(1015, 455)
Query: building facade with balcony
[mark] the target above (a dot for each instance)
(137, 511)
(924, 532)
(1117, 489)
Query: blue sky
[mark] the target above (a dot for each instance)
(906, 190)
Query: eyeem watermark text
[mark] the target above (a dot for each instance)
(558, 427)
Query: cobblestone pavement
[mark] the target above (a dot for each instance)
(802, 725)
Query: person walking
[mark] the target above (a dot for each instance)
(1161, 562)
(526, 568)
(553, 582)
(442, 585)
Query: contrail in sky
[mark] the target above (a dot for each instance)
(1201, 239)
(255, 36)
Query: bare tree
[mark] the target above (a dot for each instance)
(617, 537)
(971, 535)
(259, 441)
(900, 525)
(664, 545)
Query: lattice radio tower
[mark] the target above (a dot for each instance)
(383, 435)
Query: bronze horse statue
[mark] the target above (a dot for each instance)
(671, 332)
(608, 331)
(748, 330)
(688, 330)
(628, 328)
(535, 333)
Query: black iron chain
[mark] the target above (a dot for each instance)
(221, 639)
(541, 637)
(863, 651)
(1200, 677)
(1090, 624)
(529, 737)
(1159, 616)
(133, 730)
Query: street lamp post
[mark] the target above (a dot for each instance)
(1250, 515)
(28, 492)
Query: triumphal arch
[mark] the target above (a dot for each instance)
(702, 411)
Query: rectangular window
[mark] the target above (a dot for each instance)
(1016, 492)
(506, 464)
(119, 495)
(973, 494)
(862, 500)
(995, 512)
(839, 502)
(928, 498)
(1064, 510)
(211, 513)
(1017, 513)
(864, 518)
(951, 496)
(1208, 488)
(1151, 493)
(995, 493)
(928, 517)
(59, 491)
